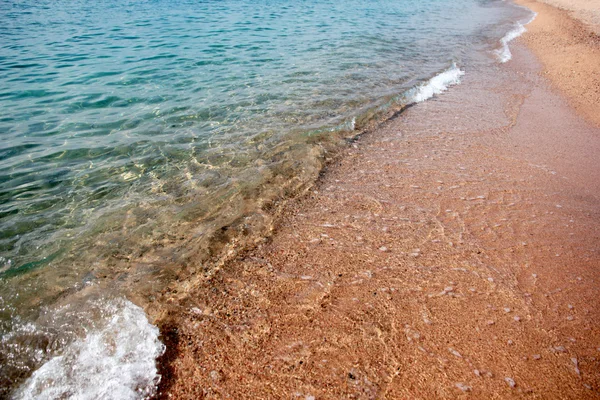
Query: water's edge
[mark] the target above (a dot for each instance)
(227, 243)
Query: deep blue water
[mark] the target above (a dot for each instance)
(130, 123)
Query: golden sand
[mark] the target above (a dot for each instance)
(569, 51)
(452, 252)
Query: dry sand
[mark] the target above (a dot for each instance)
(453, 252)
(569, 51)
(587, 11)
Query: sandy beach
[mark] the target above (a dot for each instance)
(566, 42)
(451, 252)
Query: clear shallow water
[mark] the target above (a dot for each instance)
(134, 135)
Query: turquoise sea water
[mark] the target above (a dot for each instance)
(134, 133)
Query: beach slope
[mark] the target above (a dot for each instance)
(451, 252)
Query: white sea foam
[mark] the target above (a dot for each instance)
(117, 361)
(504, 53)
(436, 85)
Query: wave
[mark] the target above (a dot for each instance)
(435, 85)
(504, 53)
(117, 361)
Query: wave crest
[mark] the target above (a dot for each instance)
(117, 361)
(504, 53)
(436, 85)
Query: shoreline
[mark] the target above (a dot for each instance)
(394, 274)
(569, 50)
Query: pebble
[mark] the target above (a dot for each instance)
(570, 318)
(517, 318)
(510, 382)
(491, 322)
(576, 363)
(570, 306)
(490, 279)
(383, 248)
(463, 387)
(476, 372)
(510, 342)
(506, 310)
(559, 349)
(537, 357)
(456, 353)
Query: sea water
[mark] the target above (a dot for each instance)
(141, 139)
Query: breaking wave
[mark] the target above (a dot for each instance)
(117, 361)
(435, 85)
(504, 53)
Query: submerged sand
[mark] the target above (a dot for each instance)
(452, 252)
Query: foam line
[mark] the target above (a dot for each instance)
(435, 85)
(504, 53)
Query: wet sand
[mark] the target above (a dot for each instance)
(452, 252)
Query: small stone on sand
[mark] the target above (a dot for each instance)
(463, 387)
(510, 382)
(456, 353)
(196, 310)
